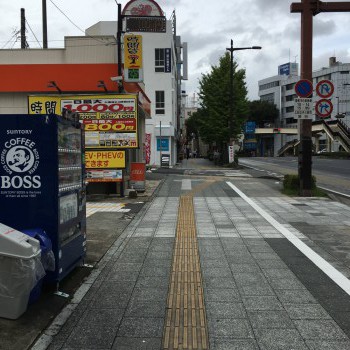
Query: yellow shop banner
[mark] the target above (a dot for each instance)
(104, 159)
(132, 51)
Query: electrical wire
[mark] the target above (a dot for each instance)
(73, 22)
(16, 32)
(33, 34)
(67, 17)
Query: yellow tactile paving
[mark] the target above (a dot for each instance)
(185, 325)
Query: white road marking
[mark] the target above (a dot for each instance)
(186, 184)
(92, 208)
(321, 263)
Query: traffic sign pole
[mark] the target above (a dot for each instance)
(303, 88)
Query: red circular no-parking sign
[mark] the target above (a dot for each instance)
(303, 88)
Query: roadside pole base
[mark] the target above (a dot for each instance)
(61, 294)
(88, 266)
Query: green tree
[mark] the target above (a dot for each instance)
(192, 126)
(262, 112)
(215, 122)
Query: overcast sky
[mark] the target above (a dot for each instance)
(207, 26)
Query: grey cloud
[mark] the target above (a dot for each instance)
(270, 6)
(322, 27)
(210, 59)
(201, 41)
(322, 60)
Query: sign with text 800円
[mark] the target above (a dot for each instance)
(110, 121)
(303, 108)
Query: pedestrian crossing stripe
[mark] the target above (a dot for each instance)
(92, 208)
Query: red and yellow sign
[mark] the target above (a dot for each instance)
(105, 117)
(104, 159)
(132, 51)
(110, 125)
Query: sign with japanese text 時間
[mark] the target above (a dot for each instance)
(110, 124)
(108, 115)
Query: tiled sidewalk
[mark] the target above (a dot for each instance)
(260, 292)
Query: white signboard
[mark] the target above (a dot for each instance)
(303, 108)
(231, 154)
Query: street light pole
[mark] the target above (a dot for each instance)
(231, 49)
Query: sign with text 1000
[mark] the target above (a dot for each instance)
(303, 108)
(99, 105)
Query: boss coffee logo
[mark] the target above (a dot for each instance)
(19, 159)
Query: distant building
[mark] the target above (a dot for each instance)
(279, 90)
(165, 66)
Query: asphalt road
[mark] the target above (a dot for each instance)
(333, 174)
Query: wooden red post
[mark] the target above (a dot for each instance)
(308, 9)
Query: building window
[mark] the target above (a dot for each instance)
(162, 60)
(291, 121)
(289, 98)
(268, 97)
(159, 60)
(344, 72)
(290, 109)
(160, 102)
(269, 85)
(289, 86)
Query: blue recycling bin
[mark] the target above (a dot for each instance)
(47, 259)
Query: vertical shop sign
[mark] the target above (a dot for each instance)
(231, 154)
(148, 148)
(133, 58)
(167, 61)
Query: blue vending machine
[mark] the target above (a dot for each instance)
(42, 183)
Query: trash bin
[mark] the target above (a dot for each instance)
(47, 259)
(20, 270)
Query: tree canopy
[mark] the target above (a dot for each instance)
(214, 119)
(262, 112)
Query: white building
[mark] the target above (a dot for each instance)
(165, 66)
(279, 90)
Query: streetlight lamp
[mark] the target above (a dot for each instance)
(231, 49)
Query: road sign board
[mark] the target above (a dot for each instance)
(303, 108)
(324, 88)
(324, 108)
(303, 88)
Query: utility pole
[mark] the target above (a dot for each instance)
(230, 121)
(44, 24)
(160, 143)
(119, 47)
(23, 30)
(308, 9)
